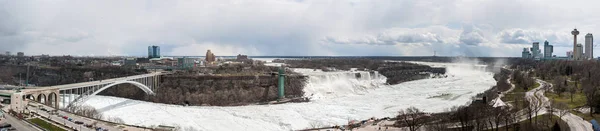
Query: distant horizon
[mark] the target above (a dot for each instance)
(269, 56)
(491, 28)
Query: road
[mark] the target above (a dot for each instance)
(71, 124)
(575, 122)
(18, 124)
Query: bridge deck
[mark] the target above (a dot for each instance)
(92, 83)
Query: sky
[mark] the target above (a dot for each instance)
(496, 28)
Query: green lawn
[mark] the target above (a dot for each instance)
(45, 124)
(534, 86)
(579, 99)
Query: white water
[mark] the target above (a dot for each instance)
(321, 85)
(338, 98)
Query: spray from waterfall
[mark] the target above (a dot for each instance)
(340, 83)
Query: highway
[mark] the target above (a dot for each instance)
(18, 124)
(71, 124)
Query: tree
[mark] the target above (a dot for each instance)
(412, 117)
(559, 85)
(561, 109)
(591, 91)
(464, 115)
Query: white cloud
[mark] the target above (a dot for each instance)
(288, 27)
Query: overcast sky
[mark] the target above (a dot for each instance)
(294, 27)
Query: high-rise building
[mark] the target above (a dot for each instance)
(535, 51)
(570, 54)
(548, 49)
(7, 53)
(589, 46)
(20, 54)
(578, 53)
(575, 33)
(153, 51)
(525, 53)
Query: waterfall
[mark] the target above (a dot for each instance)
(341, 83)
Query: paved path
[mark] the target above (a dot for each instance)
(575, 122)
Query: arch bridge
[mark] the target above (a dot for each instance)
(62, 96)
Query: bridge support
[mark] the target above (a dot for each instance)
(281, 82)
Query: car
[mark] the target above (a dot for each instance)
(78, 122)
(5, 126)
(65, 117)
(70, 119)
(88, 125)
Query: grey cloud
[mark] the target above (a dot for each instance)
(289, 27)
(471, 36)
(390, 37)
(522, 36)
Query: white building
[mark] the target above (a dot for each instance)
(578, 53)
(589, 46)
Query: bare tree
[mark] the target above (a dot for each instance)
(530, 110)
(439, 123)
(561, 108)
(590, 90)
(537, 106)
(412, 117)
(572, 90)
(559, 85)
(83, 110)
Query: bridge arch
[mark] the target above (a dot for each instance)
(29, 97)
(137, 84)
(52, 100)
(81, 98)
(41, 98)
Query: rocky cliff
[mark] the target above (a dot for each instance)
(214, 90)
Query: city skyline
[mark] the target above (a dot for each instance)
(293, 28)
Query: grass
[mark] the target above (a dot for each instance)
(45, 124)
(534, 86)
(545, 122)
(579, 99)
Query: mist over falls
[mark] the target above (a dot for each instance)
(334, 84)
